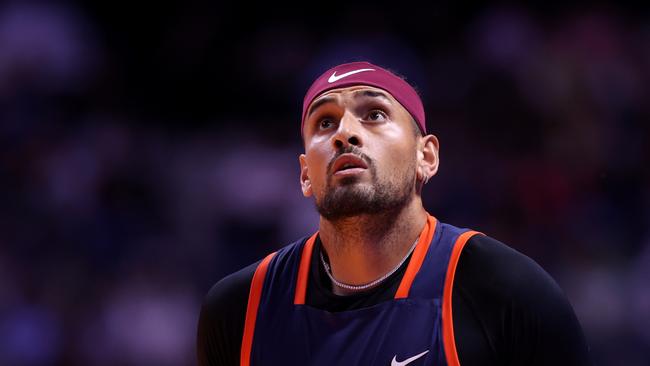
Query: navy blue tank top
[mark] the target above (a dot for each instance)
(414, 328)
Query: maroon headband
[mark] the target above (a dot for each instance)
(365, 73)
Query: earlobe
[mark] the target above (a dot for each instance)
(420, 173)
(306, 188)
(305, 182)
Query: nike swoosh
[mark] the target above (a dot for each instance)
(335, 77)
(408, 360)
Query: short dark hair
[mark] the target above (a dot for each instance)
(416, 128)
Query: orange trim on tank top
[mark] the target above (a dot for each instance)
(254, 297)
(448, 339)
(411, 271)
(303, 271)
(417, 258)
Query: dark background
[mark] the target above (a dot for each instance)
(148, 150)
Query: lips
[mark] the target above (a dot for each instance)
(347, 162)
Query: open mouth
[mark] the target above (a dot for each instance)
(349, 164)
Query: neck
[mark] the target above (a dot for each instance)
(364, 248)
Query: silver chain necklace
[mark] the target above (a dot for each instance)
(368, 285)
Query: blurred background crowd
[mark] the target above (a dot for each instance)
(148, 150)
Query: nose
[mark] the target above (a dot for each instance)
(348, 132)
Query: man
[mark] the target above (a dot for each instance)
(383, 282)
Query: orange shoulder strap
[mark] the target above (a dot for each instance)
(303, 271)
(417, 258)
(254, 297)
(447, 320)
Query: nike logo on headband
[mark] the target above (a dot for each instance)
(335, 77)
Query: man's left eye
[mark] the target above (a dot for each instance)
(376, 116)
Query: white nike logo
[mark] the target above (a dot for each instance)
(408, 360)
(335, 77)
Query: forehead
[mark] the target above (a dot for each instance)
(351, 92)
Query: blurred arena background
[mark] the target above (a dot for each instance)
(149, 150)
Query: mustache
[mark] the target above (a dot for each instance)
(350, 150)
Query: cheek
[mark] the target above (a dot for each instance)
(399, 166)
(395, 159)
(317, 167)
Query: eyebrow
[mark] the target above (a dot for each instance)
(357, 95)
(372, 94)
(319, 103)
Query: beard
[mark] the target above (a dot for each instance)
(351, 198)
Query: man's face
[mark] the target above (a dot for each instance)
(360, 153)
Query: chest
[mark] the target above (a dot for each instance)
(397, 333)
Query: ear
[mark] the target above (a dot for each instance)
(305, 182)
(429, 158)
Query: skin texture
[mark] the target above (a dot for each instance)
(370, 215)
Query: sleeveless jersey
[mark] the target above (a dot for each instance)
(414, 328)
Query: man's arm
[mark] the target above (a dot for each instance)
(221, 323)
(510, 311)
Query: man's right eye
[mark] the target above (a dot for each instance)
(325, 123)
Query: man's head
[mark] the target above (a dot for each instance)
(364, 73)
(361, 153)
